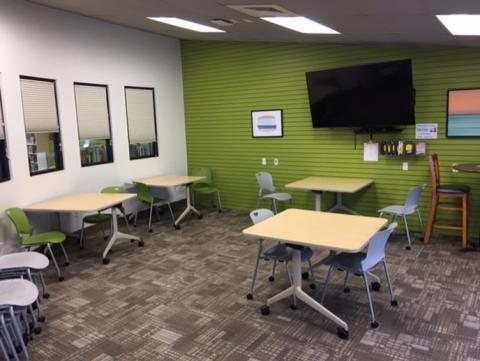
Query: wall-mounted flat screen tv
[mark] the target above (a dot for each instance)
(463, 113)
(368, 96)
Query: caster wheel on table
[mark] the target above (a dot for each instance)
(271, 278)
(408, 248)
(313, 286)
(374, 324)
(249, 296)
(376, 286)
(219, 211)
(66, 264)
(46, 295)
(141, 243)
(346, 290)
(37, 330)
(394, 303)
(105, 238)
(60, 279)
(132, 240)
(106, 260)
(110, 251)
(342, 333)
(41, 319)
(304, 275)
(293, 307)
(150, 230)
(81, 248)
(200, 216)
(176, 226)
(265, 310)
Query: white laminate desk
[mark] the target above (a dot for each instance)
(86, 203)
(331, 231)
(318, 185)
(167, 181)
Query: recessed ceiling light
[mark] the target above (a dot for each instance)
(301, 24)
(461, 24)
(181, 23)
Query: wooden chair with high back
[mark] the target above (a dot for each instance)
(449, 191)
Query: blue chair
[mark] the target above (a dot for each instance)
(362, 263)
(267, 191)
(277, 253)
(410, 207)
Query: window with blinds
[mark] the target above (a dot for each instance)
(141, 122)
(93, 119)
(4, 166)
(42, 128)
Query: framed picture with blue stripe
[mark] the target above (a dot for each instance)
(267, 123)
(463, 113)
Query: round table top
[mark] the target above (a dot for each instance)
(468, 168)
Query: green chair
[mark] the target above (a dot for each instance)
(145, 197)
(28, 240)
(206, 185)
(103, 218)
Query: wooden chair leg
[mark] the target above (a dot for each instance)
(465, 216)
(431, 220)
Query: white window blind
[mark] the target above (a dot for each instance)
(2, 133)
(140, 115)
(92, 111)
(39, 106)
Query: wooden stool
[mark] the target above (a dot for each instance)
(450, 191)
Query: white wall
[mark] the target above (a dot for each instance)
(42, 42)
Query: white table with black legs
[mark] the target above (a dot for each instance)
(168, 181)
(330, 231)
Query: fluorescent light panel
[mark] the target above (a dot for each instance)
(301, 24)
(461, 24)
(181, 23)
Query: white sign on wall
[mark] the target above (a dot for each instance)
(426, 131)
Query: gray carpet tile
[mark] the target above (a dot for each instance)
(182, 297)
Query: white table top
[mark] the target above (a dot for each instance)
(169, 180)
(333, 231)
(330, 184)
(80, 202)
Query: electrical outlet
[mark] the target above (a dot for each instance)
(264, 161)
(405, 166)
(275, 161)
(453, 169)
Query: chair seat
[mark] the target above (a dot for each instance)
(282, 197)
(19, 260)
(97, 218)
(351, 262)
(44, 238)
(453, 188)
(154, 200)
(204, 189)
(282, 252)
(398, 210)
(17, 292)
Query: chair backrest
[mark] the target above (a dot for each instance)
(114, 189)
(413, 197)
(20, 220)
(143, 193)
(376, 247)
(265, 182)
(434, 172)
(259, 215)
(203, 172)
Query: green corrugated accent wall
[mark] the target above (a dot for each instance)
(225, 81)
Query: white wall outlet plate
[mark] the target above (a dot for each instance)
(275, 161)
(405, 166)
(264, 161)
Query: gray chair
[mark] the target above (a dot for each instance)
(277, 253)
(362, 263)
(410, 207)
(267, 191)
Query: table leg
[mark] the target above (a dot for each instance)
(296, 289)
(339, 206)
(318, 200)
(188, 209)
(117, 235)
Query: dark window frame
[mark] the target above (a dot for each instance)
(4, 162)
(155, 144)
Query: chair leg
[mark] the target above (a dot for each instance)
(3, 348)
(393, 302)
(126, 221)
(45, 293)
(171, 212)
(272, 277)
(219, 202)
(192, 195)
(254, 277)
(7, 338)
(408, 232)
(374, 323)
(313, 285)
(431, 219)
(420, 220)
(345, 280)
(465, 215)
(60, 277)
(18, 332)
(136, 215)
(82, 235)
(67, 261)
(150, 218)
(322, 298)
(274, 206)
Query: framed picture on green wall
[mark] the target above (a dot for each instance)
(267, 123)
(463, 113)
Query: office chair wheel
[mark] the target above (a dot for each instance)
(66, 264)
(265, 310)
(313, 286)
(271, 278)
(376, 286)
(408, 248)
(18, 349)
(41, 319)
(346, 290)
(46, 295)
(81, 248)
(105, 238)
(141, 243)
(106, 260)
(134, 225)
(61, 278)
(342, 333)
(394, 303)
(176, 226)
(200, 216)
(374, 324)
(305, 275)
(249, 296)
(132, 240)
(293, 307)
(219, 210)
(37, 330)
(150, 230)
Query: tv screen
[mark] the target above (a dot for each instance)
(367, 96)
(463, 115)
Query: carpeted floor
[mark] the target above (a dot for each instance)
(182, 297)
